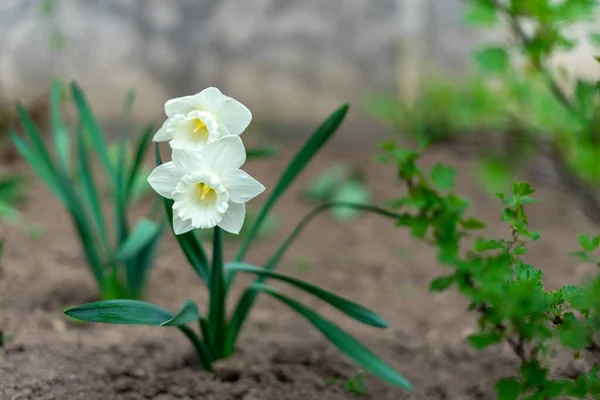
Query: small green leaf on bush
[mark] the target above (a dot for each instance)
(481, 13)
(472, 223)
(574, 333)
(586, 243)
(492, 60)
(482, 340)
(442, 283)
(508, 389)
(443, 176)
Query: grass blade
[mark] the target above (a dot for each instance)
(93, 129)
(294, 168)
(261, 152)
(61, 135)
(342, 340)
(246, 302)
(216, 315)
(351, 309)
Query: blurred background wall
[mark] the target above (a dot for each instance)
(288, 60)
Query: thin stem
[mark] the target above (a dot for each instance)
(218, 293)
(201, 348)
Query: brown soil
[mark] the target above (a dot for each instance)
(280, 355)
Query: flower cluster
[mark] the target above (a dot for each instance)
(204, 178)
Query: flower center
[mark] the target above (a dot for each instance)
(200, 131)
(204, 193)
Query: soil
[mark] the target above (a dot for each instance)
(280, 355)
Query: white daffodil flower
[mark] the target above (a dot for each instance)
(194, 121)
(208, 187)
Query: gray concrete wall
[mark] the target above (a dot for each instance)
(287, 60)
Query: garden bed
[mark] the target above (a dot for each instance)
(280, 355)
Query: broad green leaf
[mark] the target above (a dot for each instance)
(188, 242)
(442, 283)
(133, 312)
(91, 126)
(508, 389)
(443, 176)
(137, 268)
(342, 340)
(294, 168)
(492, 60)
(143, 234)
(481, 13)
(324, 185)
(351, 192)
(573, 333)
(482, 340)
(348, 307)
(586, 242)
(61, 135)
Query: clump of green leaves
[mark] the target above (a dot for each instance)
(219, 330)
(119, 260)
(518, 99)
(506, 293)
(340, 183)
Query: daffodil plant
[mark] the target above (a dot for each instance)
(203, 187)
(119, 262)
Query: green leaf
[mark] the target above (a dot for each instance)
(508, 389)
(492, 60)
(481, 13)
(472, 224)
(573, 333)
(144, 233)
(586, 242)
(482, 340)
(342, 340)
(324, 185)
(297, 165)
(351, 309)
(351, 192)
(140, 153)
(133, 312)
(443, 176)
(442, 283)
(261, 152)
(91, 126)
(61, 136)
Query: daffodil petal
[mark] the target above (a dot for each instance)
(233, 219)
(180, 226)
(188, 160)
(210, 99)
(181, 105)
(163, 133)
(241, 186)
(164, 178)
(223, 154)
(235, 116)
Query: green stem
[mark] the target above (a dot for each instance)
(218, 293)
(200, 346)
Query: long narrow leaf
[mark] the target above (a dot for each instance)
(351, 309)
(120, 196)
(246, 302)
(294, 168)
(133, 312)
(188, 242)
(60, 133)
(92, 127)
(342, 340)
(137, 268)
(261, 152)
(140, 152)
(89, 188)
